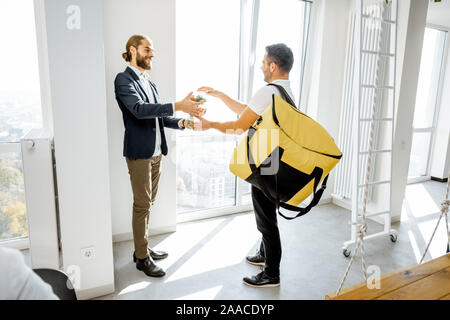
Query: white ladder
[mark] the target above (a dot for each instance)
(376, 48)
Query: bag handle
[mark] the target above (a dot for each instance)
(301, 211)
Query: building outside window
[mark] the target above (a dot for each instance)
(20, 109)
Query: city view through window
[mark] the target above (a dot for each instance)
(20, 109)
(203, 178)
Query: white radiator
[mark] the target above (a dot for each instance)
(38, 169)
(371, 34)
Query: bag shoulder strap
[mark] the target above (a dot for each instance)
(284, 94)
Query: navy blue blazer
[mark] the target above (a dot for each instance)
(139, 116)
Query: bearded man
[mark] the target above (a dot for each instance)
(144, 118)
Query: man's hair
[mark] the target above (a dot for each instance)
(282, 55)
(134, 41)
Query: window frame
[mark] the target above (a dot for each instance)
(247, 63)
(23, 243)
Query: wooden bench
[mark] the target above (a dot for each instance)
(427, 281)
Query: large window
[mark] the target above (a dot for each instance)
(207, 55)
(20, 109)
(285, 21)
(426, 101)
(222, 47)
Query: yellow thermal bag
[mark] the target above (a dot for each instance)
(286, 155)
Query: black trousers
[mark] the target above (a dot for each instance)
(267, 224)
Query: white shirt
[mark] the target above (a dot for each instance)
(263, 97)
(18, 281)
(144, 77)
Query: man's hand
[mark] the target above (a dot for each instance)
(202, 125)
(234, 105)
(187, 105)
(188, 123)
(210, 91)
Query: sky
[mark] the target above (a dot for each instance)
(18, 49)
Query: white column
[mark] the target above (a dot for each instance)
(409, 66)
(77, 80)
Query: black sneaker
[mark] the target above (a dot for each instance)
(257, 259)
(262, 280)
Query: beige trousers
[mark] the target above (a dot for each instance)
(144, 176)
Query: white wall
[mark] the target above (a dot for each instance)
(77, 81)
(329, 50)
(121, 19)
(408, 59)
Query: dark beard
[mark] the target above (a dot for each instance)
(140, 61)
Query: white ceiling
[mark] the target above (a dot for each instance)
(439, 13)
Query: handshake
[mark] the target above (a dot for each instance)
(191, 105)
